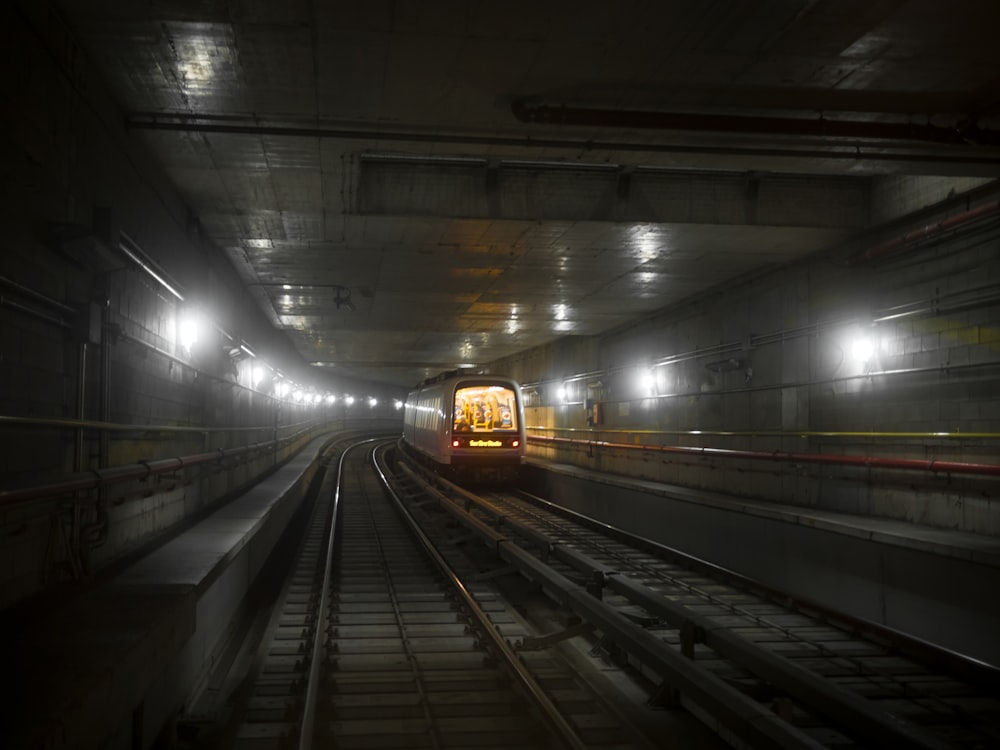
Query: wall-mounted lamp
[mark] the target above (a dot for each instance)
(647, 382)
(189, 330)
(343, 298)
(862, 349)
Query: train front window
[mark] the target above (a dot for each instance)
(485, 408)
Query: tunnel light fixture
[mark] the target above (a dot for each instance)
(189, 330)
(372, 402)
(330, 398)
(343, 298)
(348, 399)
(647, 381)
(257, 375)
(397, 404)
(862, 349)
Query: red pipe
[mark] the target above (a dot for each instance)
(910, 464)
(927, 232)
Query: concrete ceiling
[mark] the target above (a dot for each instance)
(471, 179)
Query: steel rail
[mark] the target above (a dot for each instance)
(316, 655)
(961, 666)
(737, 711)
(550, 713)
(843, 706)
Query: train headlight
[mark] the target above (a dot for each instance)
(455, 443)
(515, 443)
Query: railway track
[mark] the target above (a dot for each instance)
(420, 615)
(375, 641)
(765, 670)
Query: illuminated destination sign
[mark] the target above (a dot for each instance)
(485, 444)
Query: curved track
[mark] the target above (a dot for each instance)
(769, 671)
(376, 642)
(421, 615)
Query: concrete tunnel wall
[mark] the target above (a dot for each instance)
(766, 365)
(76, 309)
(936, 370)
(77, 172)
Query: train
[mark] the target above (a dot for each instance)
(468, 427)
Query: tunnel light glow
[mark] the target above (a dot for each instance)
(561, 394)
(257, 375)
(189, 329)
(397, 404)
(647, 382)
(299, 396)
(281, 389)
(330, 398)
(372, 402)
(348, 400)
(862, 349)
(316, 398)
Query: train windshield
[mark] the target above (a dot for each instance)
(485, 408)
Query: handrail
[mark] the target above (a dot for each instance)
(117, 474)
(781, 433)
(141, 470)
(872, 462)
(119, 427)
